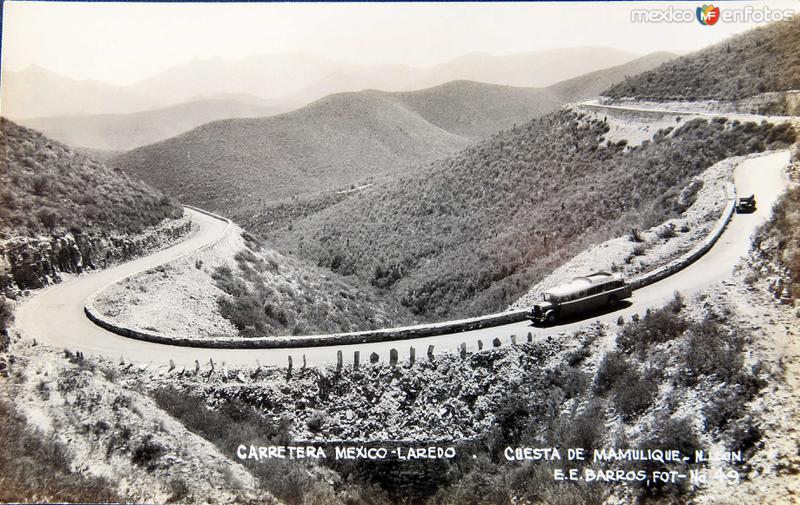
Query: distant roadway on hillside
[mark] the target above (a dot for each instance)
(55, 315)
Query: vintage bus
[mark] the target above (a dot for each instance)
(582, 294)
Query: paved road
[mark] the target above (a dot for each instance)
(55, 317)
(659, 109)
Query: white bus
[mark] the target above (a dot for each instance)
(582, 294)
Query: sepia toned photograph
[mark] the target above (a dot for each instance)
(378, 253)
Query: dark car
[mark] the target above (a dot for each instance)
(746, 204)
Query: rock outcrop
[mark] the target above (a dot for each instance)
(35, 262)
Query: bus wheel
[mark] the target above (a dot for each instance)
(551, 318)
(613, 301)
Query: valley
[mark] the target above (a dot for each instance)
(338, 268)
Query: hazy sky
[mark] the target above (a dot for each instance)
(123, 42)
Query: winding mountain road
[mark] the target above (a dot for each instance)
(55, 317)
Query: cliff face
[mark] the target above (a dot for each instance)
(35, 262)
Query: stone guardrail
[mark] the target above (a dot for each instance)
(392, 334)
(696, 252)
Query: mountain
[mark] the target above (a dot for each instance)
(294, 77)
(348, 77)
(594, 83)
(304, 77)
(122, 132)
(469, 233)
(36, 92)
(760, 60)
(530, 69)
(333, 143)
(467, 108)
(234, 166)
(474, 109)
(478, 109)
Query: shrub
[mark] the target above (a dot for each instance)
(666, 232)
(677, 303)
(40, 184)
(656, 327)
(584, 429)
(48, 217)
(147, 452)
(669, 433)
(6, 318)
(728, 405)
(712, 350)
(633, 394)
(179, 491)
(316, 421)
(612, 368)
(783, 134)
(744, 436)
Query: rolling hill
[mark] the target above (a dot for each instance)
(275, 75)
(760, 60)
(530, 69)
(474, 109)
(478, 109)
(467, 108)
(468, 234)
(255, 170)
(122, 132)
(295, 77)
(234, 166)
(304, 77)
(594, 83)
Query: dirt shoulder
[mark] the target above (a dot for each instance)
(642, 251)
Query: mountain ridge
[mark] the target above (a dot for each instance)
(295, 77)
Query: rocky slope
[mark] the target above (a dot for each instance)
(240, 288)
(62, 212)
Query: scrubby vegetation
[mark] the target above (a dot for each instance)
(268, 294)
(761, 60)
(469, 234)
(46, 187)
(238, 166)
(6, 318)
(282, 214)
(779, 240)
(235, 422)
(561, 394)
(36, 467)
